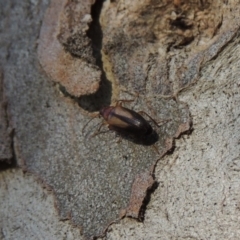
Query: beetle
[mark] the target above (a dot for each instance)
(129, 124)
(120, 119)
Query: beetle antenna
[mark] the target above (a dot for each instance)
(97, 115)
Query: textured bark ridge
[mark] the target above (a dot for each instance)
(99, 52)
(78, 75)
(6, 153)
(151, 44)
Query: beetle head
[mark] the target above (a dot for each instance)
(105, 112)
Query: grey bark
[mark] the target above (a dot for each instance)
(198, 192)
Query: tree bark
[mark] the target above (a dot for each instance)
(182, 60)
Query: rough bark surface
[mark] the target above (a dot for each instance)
(197, 196)
(6, 153)
(92, 177)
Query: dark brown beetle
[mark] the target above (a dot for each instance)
(128, 124)
(123, 119)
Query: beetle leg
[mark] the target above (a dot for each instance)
(98, 131)
(156, 149)
(135, 94)
(164, 121)
(97, 115)
(175, 95)
(119, 102)
(119, 139)
(154, 121)
(118, 135)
